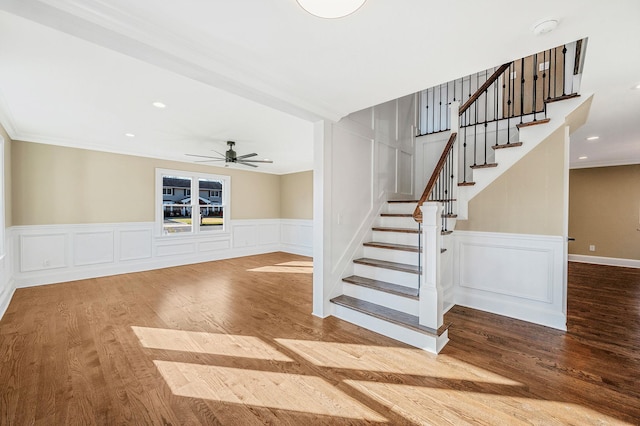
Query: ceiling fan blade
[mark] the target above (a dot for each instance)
(204, 156)
(246, 164)
(209, 161)
(255, 161)
(221, 155)
(240, 157)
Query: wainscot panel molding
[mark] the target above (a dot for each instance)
(609, 261)
(7, 284)
(50, 254)
(515, 275)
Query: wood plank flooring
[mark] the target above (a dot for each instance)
(233, 343)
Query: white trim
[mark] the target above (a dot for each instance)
(609, 261)
(132, 247)
(515, 275)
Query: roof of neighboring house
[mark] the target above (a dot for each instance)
(175, 182)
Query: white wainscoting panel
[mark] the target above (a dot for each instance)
(39, 252)
(57, 253)
(296, 236)
(91, 248)
(135, 244)
(520, 276)
(7, 285)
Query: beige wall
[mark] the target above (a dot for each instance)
(604, 210)
(296, 201)
(59, 185)
(7, 177)
(527, 198)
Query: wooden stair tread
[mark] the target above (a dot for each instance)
(401, 230)
(446, 232)
(396, 215)
(387, 314)
(395, 266)
(449, 215)
(561, 98)
(507, 145)
(391, 246)
(484, 166)
(466, 183)
(533, 123)
(402, 201)
(384, 286)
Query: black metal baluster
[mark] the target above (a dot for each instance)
(496, 101)
(486, 110)
(447, 110)
(440, 108)
(555, 72)
(564, 66)
(464, 151)
(535, 88)
(510, 71)
(521, 89)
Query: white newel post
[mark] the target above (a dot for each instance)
(431, 306)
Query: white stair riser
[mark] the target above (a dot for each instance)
(401, 207)
(388, 275)
(395, 238)
(397, 222)
(399, 303)
(399, 256)
(410, 337)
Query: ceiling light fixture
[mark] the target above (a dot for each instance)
(593, 138)
(130, 135)
(331, 9)
(545, 26)
(637, 86)
(584, 157)
(159, 105)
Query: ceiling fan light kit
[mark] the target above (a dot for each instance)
(232, 157)
(331, 9)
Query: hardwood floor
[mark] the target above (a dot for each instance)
(233, 343)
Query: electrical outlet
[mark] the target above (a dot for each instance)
(592, 247)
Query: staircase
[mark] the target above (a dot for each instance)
(383, 293)
(397, 286)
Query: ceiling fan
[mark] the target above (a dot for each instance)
(230, 156)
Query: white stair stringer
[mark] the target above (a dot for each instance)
(530, 136)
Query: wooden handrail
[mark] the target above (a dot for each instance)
(417, 214)
(484, 87)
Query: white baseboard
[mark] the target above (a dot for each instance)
(6, 296)
(609, 261)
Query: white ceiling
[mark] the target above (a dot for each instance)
(84, 72)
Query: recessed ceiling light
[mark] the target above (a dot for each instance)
(593, 138)
(637, 86)
(130, 135)
(331, 8)
(158, 105)
(584, 157)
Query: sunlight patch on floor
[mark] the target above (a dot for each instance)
(209, 343)
(390, 360)
(305, 263)
(282, 391)
(429, 405)
(284, 269)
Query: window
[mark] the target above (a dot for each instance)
(177, 213)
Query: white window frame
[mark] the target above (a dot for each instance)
(195, 202)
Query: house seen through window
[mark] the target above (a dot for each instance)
(181, 212)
